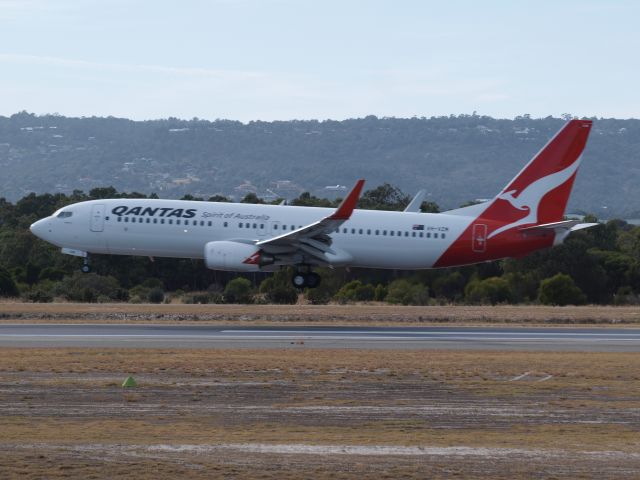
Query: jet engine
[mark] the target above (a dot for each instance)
(235, 257)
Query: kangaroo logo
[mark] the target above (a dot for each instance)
(528, 200)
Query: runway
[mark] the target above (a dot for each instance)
(211, 336)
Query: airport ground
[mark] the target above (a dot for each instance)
(334, 315)
(300, 412)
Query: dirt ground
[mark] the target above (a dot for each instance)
(314, 315)
(303, 413)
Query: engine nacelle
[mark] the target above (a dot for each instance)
(235, 257)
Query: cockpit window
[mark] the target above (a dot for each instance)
(65, 214)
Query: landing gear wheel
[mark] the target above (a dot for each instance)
(299, 280)
(86, 268)
(312, 280)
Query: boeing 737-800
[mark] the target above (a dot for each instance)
(527, 215)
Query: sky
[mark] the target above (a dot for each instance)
(319, 59)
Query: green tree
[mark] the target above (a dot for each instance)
(491, 290)
(560, 290)
(384, 197)
(449, 286)
(401, 291)
(278, 288)
(355, 291)
(238, 290)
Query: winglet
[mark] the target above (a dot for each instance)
(344, 211)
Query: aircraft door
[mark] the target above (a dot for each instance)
(97, 218)
(479, 238)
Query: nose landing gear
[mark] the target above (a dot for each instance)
(305, 280)
(86, 268)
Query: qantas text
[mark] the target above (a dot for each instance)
(155, 212)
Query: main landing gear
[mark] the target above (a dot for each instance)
(305, 280)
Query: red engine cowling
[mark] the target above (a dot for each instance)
(234, 257)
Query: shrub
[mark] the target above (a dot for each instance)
(490, 290)
(380, 293)
(560, 290)
(278, 289)
(318, 296)
(450, 286)
(403, 292)
(355, 291)
(238, 290)
(156, 295)
(38, 295)
(87, 287)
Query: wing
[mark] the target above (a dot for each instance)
(312, 243)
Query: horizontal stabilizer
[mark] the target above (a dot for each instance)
(570, 225)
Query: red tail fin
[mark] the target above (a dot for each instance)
(540, 192)
(537, 195)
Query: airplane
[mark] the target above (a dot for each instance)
(525, 216)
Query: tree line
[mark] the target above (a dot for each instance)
(600, 265)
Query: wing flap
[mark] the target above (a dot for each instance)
(314, 239)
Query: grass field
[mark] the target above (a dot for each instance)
(303, 413)
(321, 314)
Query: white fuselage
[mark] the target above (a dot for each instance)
(177, 228)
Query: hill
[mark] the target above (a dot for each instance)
(456, 158)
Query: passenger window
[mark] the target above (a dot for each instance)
(126, 219)
(399, 233)
(442, 235)
(353, 231)
(344, 230)
(170, 221)
(384, 232)
(413, 234)
(255, 226)
(420, 234)
(391, 233)
(428, 235)
(162, 221)
(377, 232)
(435, 235)
(368, 231)
(155, 220)
(119, 219)
(360, 231)
(177, 222)
(148, 220)
(293, 227)
(406, 234)
(275, 226)
(262, 225)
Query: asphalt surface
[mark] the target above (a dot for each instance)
(211, 336)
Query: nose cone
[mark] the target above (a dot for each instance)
(40, 228)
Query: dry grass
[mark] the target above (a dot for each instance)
(316, 314)
(63, 413)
